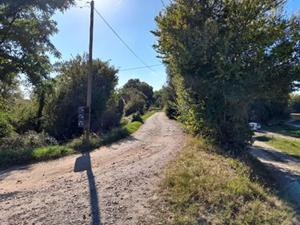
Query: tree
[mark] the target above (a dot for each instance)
(61, 113)
(25, 31)
(142, 87)
(137, 95)
(222, 56)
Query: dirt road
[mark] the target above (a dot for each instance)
(284, 168)
(111, 185)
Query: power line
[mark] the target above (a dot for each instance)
(122, 40)
(141, 67)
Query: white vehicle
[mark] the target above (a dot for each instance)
(254, 126)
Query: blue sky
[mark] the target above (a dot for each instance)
(133, 19)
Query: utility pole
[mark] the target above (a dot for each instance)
(90, 75)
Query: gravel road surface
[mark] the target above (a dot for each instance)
(111, 185)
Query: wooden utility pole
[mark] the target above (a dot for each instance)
(90, 75)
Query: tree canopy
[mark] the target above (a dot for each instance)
(25, 31)
(222, 55)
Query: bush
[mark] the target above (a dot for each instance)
(80, 144)
(135, 104)
(137, 117)
(113, 114)
(20, 149)
(25, 115)
(61, 113)
(29, 140)
(6, 129)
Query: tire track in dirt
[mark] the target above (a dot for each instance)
(111, 185)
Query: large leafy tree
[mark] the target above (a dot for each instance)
(26, 27)
(222, 55)
(137, 95)
(61, 112)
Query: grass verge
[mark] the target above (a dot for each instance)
(204, 187)
(284, 130)
(20, 156)
(291, 147)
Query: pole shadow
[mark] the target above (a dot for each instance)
(83, 163)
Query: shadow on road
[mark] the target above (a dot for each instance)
(83, 163)
(287, 180)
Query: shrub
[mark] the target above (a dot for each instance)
(136, 104)
(18, 149)
(61, 113)
(137, 117)
(112, 116)
(29, 140)
(80, 144)
(6, 129)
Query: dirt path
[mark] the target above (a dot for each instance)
(283, 168)
(111, 185)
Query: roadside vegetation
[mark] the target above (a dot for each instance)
(284, 130)
(34, 147)
(226, 64)
(289, 146)
(202, 186)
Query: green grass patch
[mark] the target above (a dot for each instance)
(284, 130)
(133, 127)
(10, 157)
(147, 115)
(291, 147)
(204, 187)
(51, 152)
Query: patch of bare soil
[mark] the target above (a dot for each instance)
(111, 185)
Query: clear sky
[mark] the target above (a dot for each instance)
(133, 20)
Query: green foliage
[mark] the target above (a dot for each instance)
(24, 115)
(142, 87)
(269, 111)
(26, 27)
(61, 113)
(294, 103)
(133, 127)
(203, 187)
(6, 129)
(158, 99)
(51, 152)
(137, 118)
(138, 96)
(222, 56)
(135, 105)
(30, 139)
(113, 114)
(19, 149)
